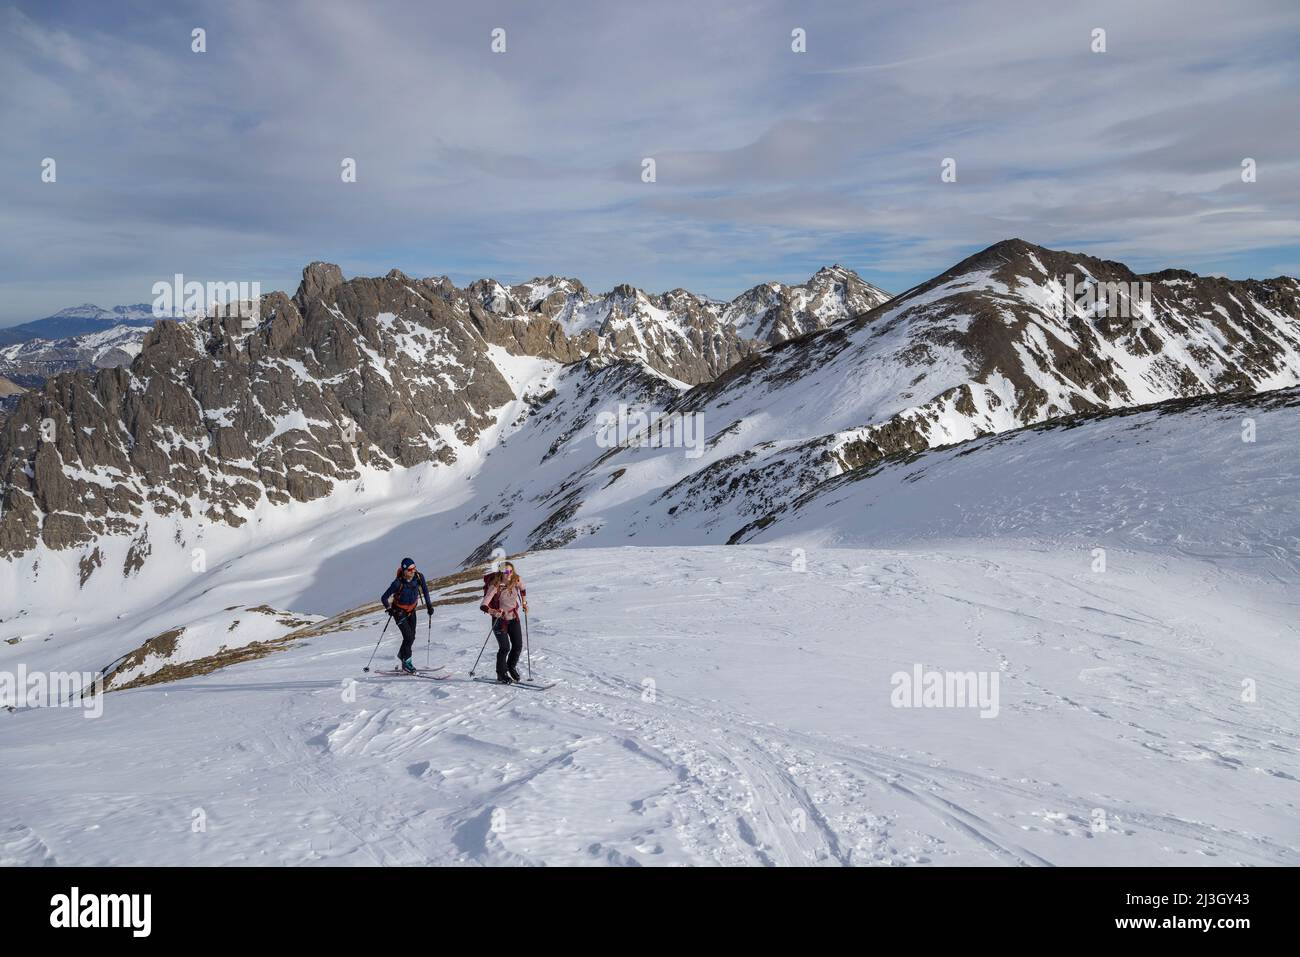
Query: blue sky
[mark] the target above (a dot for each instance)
(225, 165)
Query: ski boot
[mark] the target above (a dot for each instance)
(408, 667)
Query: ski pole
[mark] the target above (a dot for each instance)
(381, 638)
(527, 647)
(428, 642)
(481, 650)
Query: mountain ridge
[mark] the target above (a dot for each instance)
(350, 379)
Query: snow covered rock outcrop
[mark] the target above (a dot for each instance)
(1156, 478)
(988, 346)
(774, 312)
(688, 337)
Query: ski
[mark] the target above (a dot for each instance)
(529, 685)
(419, 672)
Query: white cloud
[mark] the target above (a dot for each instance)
(226, 163)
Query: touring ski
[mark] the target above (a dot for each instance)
(529, 685)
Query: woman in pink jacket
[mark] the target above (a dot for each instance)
(504, 596)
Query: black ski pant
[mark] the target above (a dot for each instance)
(406, 625)
(510, 644)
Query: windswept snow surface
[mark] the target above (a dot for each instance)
(716, 706)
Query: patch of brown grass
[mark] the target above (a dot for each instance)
(204, 666)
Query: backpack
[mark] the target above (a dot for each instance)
(418, 581)
(496, 599)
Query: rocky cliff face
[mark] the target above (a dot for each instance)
(9, 393)
(212, 418)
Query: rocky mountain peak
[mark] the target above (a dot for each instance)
(318, 278)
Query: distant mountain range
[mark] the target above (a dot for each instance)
(31, 362)
(78, 320)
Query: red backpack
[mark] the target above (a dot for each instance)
(418, 581)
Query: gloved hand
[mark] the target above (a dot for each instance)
(431, 614)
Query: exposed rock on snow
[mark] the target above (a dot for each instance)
(986, 347)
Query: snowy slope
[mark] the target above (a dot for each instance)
(770, 736)
(734, 705)
(1206, 477)
(715, 706)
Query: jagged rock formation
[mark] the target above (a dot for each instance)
(212, 417)
(773, 313)
(686, 336)
(216, 415)
(9, 393)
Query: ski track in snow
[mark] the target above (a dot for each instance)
(766, 739)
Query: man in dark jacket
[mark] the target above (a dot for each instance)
(405, 594)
